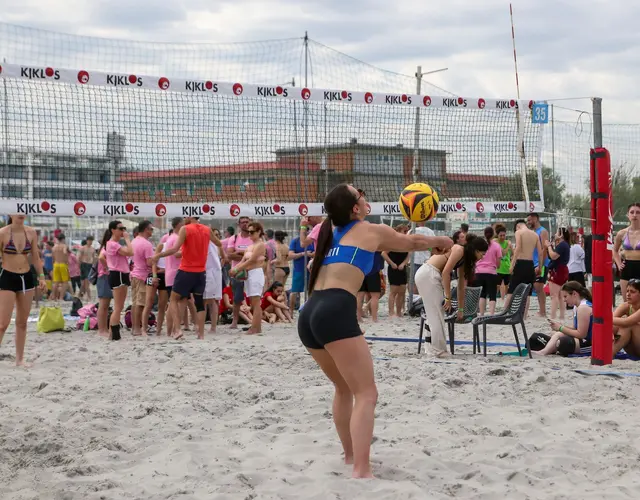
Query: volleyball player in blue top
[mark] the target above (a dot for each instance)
(328, 326)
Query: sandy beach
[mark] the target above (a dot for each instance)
(238, 417)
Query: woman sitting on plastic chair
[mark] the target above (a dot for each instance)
(433, 281)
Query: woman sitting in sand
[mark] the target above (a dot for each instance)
(252, 263)
(226, 305)
(626, 320)
(574, 339)
(273, 304)
(328, 324)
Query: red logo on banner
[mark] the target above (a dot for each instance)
(276, 208)
(206, 209)
(305, 93)
(426, 101)
(237, 89)
(303, 209)
(161, 210)
(510, 206)
(133, 79)
(532, 207)
(481, 103)
(0, 70)
(479, 207)
(459, 206)
(208, 85)
(129, 207)
(79, 208)
(530, 104)
(344, 94)
(49, 72)
(368, 97)
(83, 77)
(45, 205)
(512, 103)
(164, 83)
(404, 98)
(234, 210)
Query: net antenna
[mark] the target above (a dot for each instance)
(519, 118)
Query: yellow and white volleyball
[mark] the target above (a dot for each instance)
(419, 202)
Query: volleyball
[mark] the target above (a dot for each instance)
(419, 202)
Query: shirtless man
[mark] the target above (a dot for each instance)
(522, 266)
(541, 260)
(87, 257)
(252, 263)
(60, 268)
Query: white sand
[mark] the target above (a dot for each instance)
(237, 417)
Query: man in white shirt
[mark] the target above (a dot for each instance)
(420, 258)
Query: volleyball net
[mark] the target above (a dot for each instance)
(104, 128)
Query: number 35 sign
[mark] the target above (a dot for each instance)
(540, 113)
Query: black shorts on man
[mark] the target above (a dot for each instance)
(187, 283)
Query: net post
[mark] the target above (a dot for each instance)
(306, 152)
(414, 178)
(5, 121)
(602, 246)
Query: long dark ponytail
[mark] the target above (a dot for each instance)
(575, 286)
(108, 234)
(339, 205)
(473, 244)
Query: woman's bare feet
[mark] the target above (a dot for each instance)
(362, 474)
(23, 364)
(252, 332)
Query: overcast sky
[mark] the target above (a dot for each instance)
(571, 48)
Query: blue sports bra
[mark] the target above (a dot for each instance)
(346, 254)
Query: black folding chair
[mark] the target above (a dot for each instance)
(471, 305)
(513, 315)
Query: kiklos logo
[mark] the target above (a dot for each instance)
(453, 102)
(368, 97)
(479, 207)
(198, 210)
(164, 83)
(194, 86)
(83, 77)
(505, 207)
(303, 209)
(264, 210)
(397, 99)
(79, 208)
(161, 210)
(510, 104)
(124, 81)
(238, 89)
(43, 207)
(481, 103)
(117, 209)
(452, 207)
(330, 95)
(39, 73)
(426, 101)
(272, 92)
(234, 210)
(305, 94)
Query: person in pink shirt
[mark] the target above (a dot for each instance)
(118, 265)
(140, 304)
(172, 264)
(236, 247)
(74, 272)
(309, 230)
(105, 294)
(486, 274)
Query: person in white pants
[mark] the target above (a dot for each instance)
(433, 281)
(213, 288)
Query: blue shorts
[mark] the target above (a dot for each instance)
(238, 290)
(187, 283)
(104, 288)
(297, 282)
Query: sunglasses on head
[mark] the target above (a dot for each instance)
(634, 281)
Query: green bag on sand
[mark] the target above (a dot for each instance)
(50, 320)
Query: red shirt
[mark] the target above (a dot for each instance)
(195, 248)
(229, 293)
(264, 303)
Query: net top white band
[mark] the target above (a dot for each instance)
(237, 89)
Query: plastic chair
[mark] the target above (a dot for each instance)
(512, 315)
(471, 305)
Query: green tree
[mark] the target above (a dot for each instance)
(625, 189)
(552, 185)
